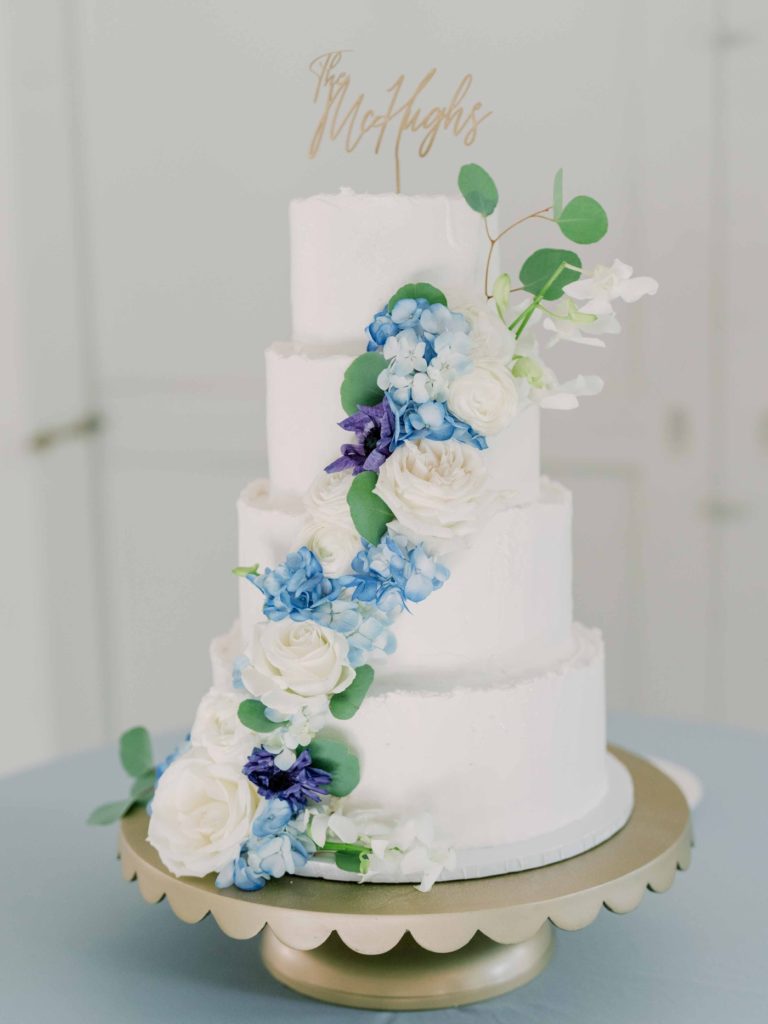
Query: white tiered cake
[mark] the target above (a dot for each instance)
(493, 699)
(405, 695)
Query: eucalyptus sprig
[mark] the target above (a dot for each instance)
(136, 758)
(546, 272)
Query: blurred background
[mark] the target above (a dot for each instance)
(148, 151)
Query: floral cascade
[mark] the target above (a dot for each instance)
(258, 787)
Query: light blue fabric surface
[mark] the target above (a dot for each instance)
(77, 944)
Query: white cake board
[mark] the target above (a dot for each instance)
(600, 823)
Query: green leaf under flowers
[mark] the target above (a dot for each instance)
(246, 570)
(347, 703)
(338, 760)
(108, 814)
(542, 264)
(583, 220)
(478, 188)
(502, 287)
(136, 751)
(369, 513)
(359, 386)
(252, 713)
(143, 788)
(420, 290)
(353, 860)
(557, 194)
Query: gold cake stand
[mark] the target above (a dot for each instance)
(380, 946)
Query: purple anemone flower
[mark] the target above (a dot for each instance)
(296, 785)
(373, 426)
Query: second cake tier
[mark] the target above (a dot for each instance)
(507, 603)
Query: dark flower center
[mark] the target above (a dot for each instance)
(280, 781)
(371, 439)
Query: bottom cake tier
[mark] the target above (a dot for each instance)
(494, 762)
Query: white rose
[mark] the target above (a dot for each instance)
(201, 814)
(335, 544)
(485, 397)
(437, 491)
(218, 731)
(326, 499)
(489, 335)
(295, 664)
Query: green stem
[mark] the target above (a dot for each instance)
(493, 241)
(526, 315)
(332, 847)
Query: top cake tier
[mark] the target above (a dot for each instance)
(350, 253)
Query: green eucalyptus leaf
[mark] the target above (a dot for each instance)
(252, 713)
(421, 290)
(369, 513)
(359, 386)
(136, 751)
(108, 814)
(478, 188)
(347, 703)
(143, 788)
(557, 194)
(246, 570)
(583, 220)
(502, 287)
(355, 861)
(542, 264)
(338, 760)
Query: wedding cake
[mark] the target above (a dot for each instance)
(405, 695)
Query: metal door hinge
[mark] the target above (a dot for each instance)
(86, 426)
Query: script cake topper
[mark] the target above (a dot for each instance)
(348, 115)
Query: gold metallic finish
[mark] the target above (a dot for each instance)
(491, 934)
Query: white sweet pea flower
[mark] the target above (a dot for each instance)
(572, 324)
(606, 284)
(202, 813)
(294, 665)
(218, 731)
(566, 395)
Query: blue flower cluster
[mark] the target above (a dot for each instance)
(393, 572)
(296, 588)
(427, 320)
(427, 347)
(277, 846)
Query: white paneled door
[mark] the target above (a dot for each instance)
(148, 151)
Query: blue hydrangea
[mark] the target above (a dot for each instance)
(433, 421)
(366, 626)
(297, 588)
(405, 313)
(240, 663)
(277, 846)
(397, 569)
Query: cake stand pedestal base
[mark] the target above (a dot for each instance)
(408, 977)
(393, 948)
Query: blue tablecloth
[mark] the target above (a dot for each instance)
(77, 944)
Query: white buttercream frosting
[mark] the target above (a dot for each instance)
(351, 252)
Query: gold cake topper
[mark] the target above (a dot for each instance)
(347, 115)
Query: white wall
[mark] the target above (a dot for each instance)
(148, 150)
